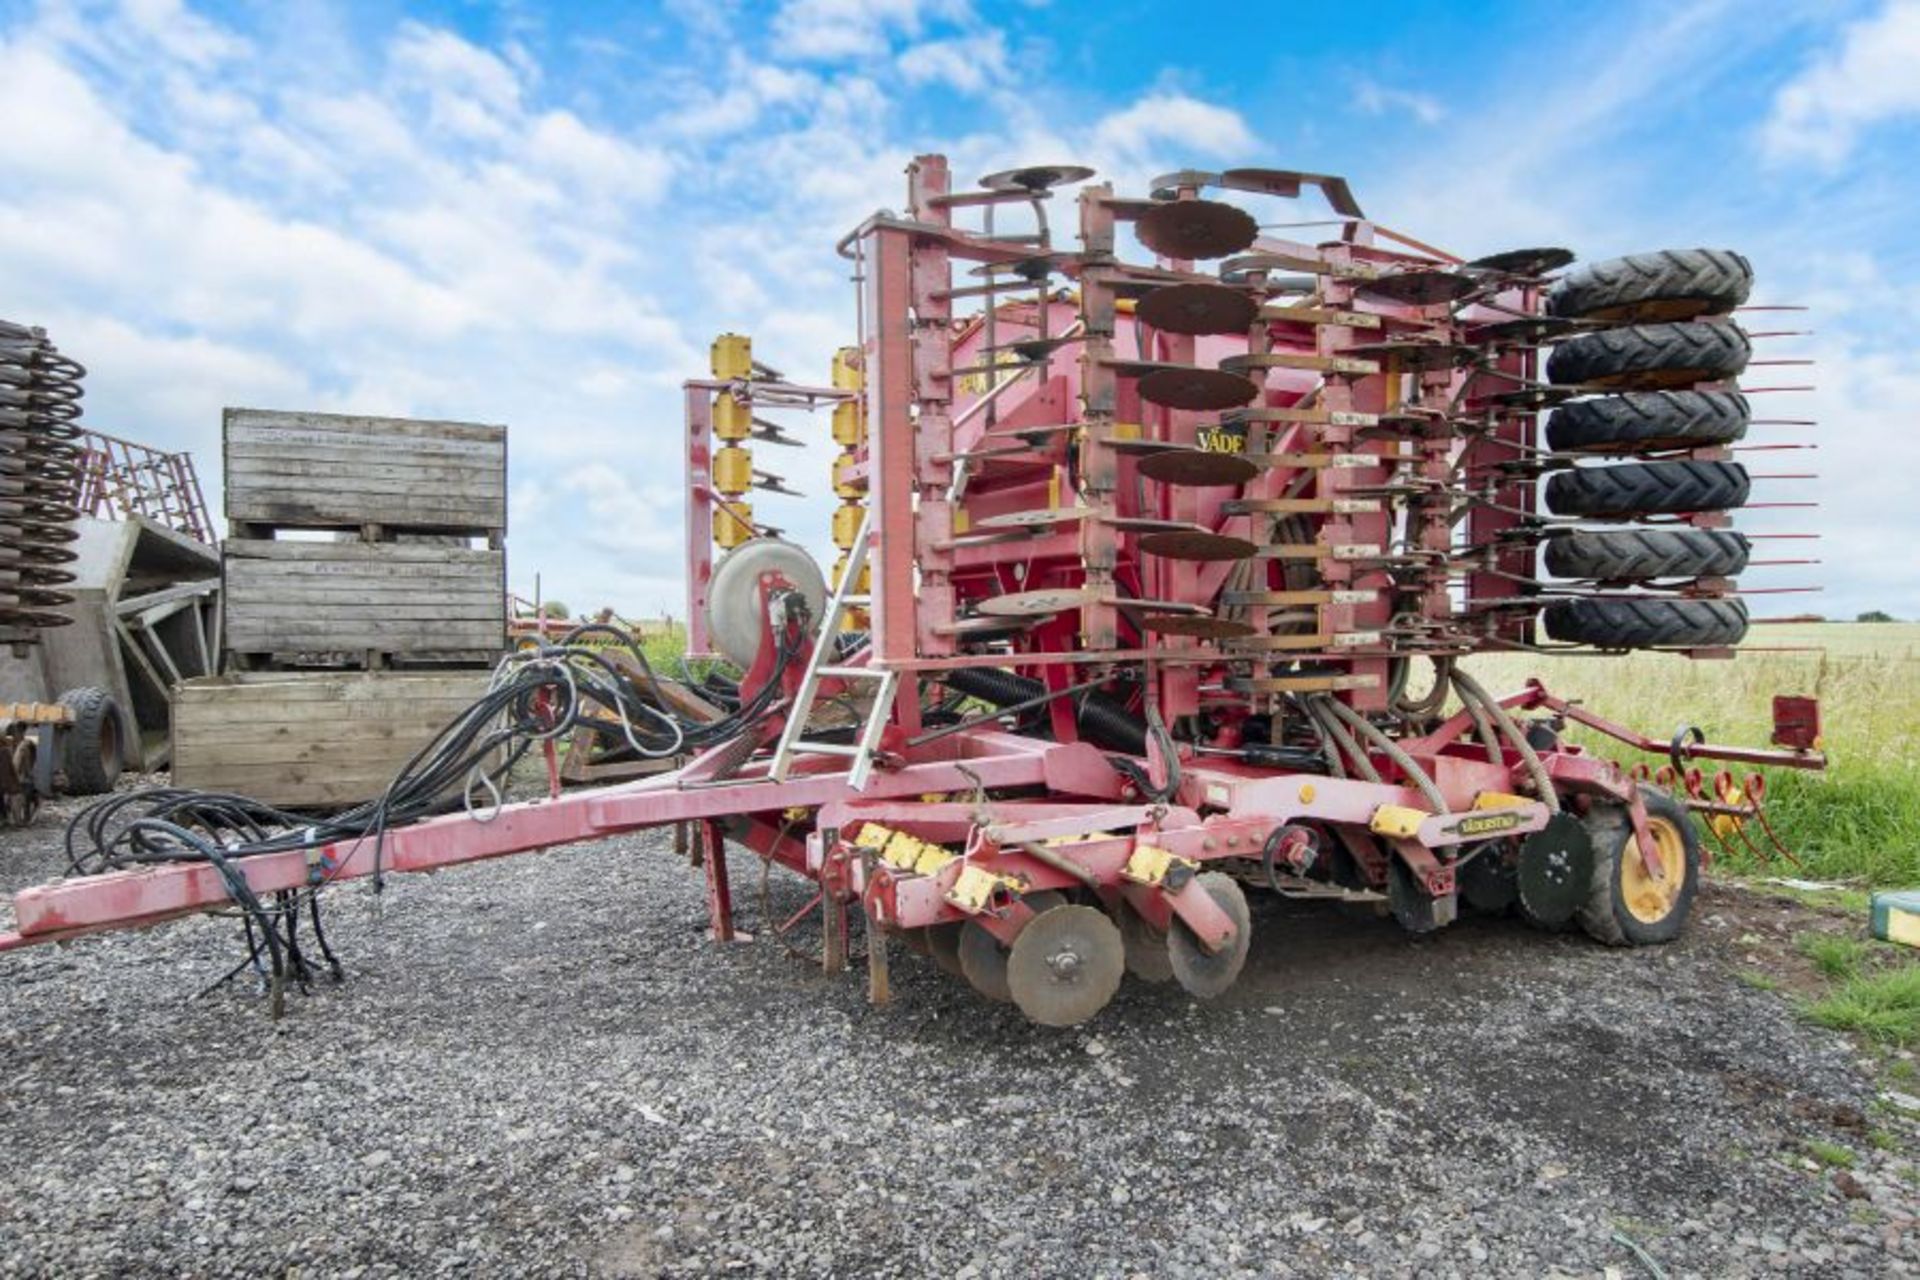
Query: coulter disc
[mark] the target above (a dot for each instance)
(1196, 388)
(1198, 309)
(1556, 870)
(983, 961)
(1189, 229)
(943, 944)
(1065, 965)
(1203, 468)
(1208, 974)
(1146, 946)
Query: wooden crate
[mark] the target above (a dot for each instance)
(389, 599)
(324, 470)
(313, 739)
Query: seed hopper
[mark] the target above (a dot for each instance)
(1170, 523)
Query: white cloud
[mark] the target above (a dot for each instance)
(1174, 118)
(1871, 77)
(834, 30)
(471, 93)
(970, 64)
(1375, 99)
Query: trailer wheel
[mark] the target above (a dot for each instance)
(1647, 488)
(92, 754)
(1641, 555)
(1647, 622)
(1204, 973)
(983, 961)
(1674, 284)
(1651, 357)
(1146, 946)
(1625, 906)
(1648, 420)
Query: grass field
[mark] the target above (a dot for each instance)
(1860, 820)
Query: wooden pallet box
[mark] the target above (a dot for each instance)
(326, 470)
(402, 599)
(315, 739)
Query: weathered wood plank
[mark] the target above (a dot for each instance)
(399, 598)
(314, 739)
(317, 469)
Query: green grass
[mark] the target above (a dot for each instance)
(1883, 1006)
(1859, 821)
(1759, 981)
(1836, 957)
(1831, 1154)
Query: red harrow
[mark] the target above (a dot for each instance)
(1157, 582)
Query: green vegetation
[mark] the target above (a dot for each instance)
(1836, 957)
(1759, 981)
(1860, 820)
(1875, 615)
(1882, 1006)
(1831, 1154)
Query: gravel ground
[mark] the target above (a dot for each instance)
(538, 1067)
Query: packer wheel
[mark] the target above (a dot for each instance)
(1625, 906)
(1651, 357)
(1647, 488)
(1674, 284)
(1643, 420)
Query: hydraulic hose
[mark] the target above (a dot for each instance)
(1391, 749)
(1472, 691)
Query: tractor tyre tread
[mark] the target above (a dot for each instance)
(1640, 555)
(1651, 357)
(1648, 488)
(1641, 420)
(1671, 284)
(91, 755)
(1647, 622)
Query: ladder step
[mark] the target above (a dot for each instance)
(852, 673)
(856, 600)
(826, 748)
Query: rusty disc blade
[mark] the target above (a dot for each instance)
(1198, 389)
(1418, 288)
(1198, 309)
(1536, 397)
(1201, 625)
(1032, 519)
(1196, 229)
(1198, 467)
(1523, 262)
(1036, 177)
(1195, 544)
(1027, 604)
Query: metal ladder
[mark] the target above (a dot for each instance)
(793, 740)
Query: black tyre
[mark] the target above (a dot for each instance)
(1647, 622)
(1647, 488)
(1675, 284)
(1625, 905)
(1641, 555)
(92, 754)
(1651, 357)
(1642, 420)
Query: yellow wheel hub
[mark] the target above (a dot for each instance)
(1650, 899)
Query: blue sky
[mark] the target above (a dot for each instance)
(540, 215)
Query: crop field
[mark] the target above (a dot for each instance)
(1859, 821)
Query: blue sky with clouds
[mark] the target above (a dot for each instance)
(540, 214)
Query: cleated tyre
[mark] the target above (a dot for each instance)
(1674, 284)
(1625, 905)
(1642, 555)
(1651, 357)
(91, 751)
(1647, 488)
(1646, 420)
(1648, 622)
